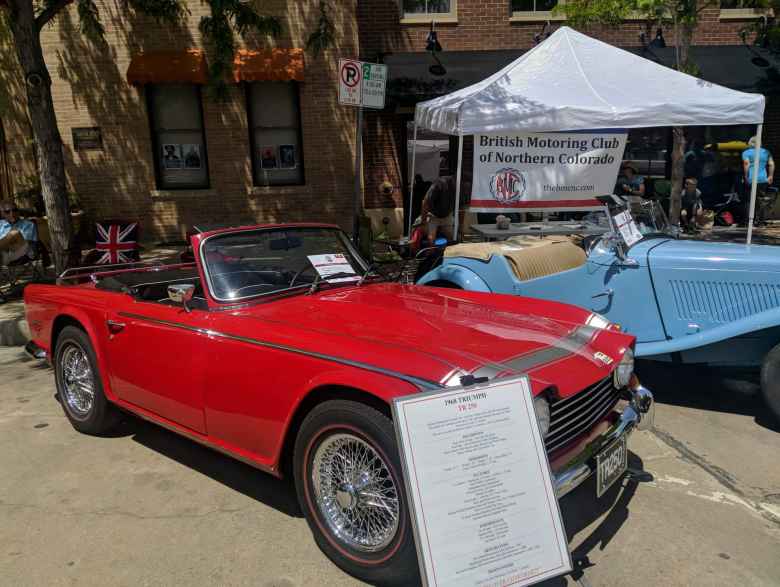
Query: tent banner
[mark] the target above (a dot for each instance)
(527, 171)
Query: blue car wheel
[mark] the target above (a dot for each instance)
(770, 382)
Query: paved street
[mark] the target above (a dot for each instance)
(146, 507)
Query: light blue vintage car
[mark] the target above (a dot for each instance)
(686, 301)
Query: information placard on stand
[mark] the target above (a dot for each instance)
(480, 488)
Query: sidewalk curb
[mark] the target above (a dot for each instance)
(14, 332)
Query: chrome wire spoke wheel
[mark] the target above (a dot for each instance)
(78, 381)
(355, 492)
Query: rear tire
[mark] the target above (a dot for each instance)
(347, 471)
(79, 385)
(770, 382)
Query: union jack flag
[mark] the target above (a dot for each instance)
(117, 242)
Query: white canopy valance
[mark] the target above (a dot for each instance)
(574, 82)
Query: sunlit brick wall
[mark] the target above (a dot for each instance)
(90, 89)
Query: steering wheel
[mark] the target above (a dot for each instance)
(300, 272)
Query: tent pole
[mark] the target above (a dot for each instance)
(411, 179)
(754, 183)
(457, 188)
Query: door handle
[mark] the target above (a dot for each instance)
(609, 292)
(115, 327)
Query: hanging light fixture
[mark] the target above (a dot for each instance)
(432, 42)
(659, 42)
(433, 46)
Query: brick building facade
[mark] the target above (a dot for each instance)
(489, 34)
(91, 89)
(123, 177)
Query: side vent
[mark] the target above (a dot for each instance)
(721, 302)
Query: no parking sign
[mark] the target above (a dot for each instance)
(362, 84)
(350, 82)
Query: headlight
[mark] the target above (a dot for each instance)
(624, 370)
(542, 409)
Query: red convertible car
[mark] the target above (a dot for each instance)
(279, 346)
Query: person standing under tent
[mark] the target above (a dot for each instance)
(437, 207)
(766, 169)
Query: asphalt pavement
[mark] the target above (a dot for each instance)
(146, 507)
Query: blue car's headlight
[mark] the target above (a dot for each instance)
(624, 370)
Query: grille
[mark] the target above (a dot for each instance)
(574, 415)
(722, 301)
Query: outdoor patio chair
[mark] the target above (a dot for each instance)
(32, 264)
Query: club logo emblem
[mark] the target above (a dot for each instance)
(507, 185)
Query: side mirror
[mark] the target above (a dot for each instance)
(181, 293)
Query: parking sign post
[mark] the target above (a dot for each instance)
(362, 85)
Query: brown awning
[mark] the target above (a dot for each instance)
(159, 67)
(278, 65)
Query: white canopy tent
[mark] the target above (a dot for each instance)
(572, 82)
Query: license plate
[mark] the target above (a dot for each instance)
(611, 463)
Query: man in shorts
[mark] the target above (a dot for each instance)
(16, 234)
(437, 208)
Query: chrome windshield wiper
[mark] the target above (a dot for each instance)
(371, 270)
(318, 281)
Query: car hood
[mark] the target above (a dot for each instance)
(687, 254)
(433, 333)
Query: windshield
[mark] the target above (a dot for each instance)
(251, 263)
(650, 218)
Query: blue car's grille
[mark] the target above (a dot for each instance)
(574, 415)
(722, 302)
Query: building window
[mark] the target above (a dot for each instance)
(275, 133)
(742, 9)
(427, 10)
(738, 4)
(176, 120)
(535, 10)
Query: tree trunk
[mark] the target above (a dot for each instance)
(51, 162)
(683, 35)
(678, 170)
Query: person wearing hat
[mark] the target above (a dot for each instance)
(631, 184)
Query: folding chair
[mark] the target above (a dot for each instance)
(33, 262)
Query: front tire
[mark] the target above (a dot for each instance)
(349, 484)
(79, 385)
(770, 381)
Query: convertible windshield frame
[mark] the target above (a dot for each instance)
(656, 210)
(212, 291)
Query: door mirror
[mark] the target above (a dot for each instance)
(181, 293)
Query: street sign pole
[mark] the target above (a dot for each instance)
(358, 167)
(361, 85)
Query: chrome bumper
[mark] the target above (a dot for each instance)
(34, 351)
(639, 414)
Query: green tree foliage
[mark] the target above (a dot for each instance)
(683, 18)
(21, 25)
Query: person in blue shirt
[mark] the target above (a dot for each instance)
(630, 184)
(11, 227)
(765, 177)
(766, 165)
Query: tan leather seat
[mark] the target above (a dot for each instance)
(529, 257)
